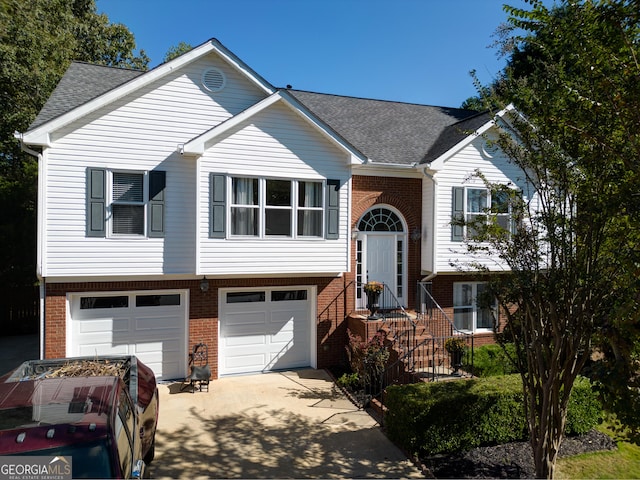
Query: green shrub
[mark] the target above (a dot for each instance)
(585, 410)
(446, 417)
(491, 360)
(350, 381)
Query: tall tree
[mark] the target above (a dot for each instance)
(574, 75)
(38, 40)
(176, 51)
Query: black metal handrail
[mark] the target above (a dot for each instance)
(416, 342)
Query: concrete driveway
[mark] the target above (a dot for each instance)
(294, 424)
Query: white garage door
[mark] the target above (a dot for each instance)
(266, 329)
(148, 324)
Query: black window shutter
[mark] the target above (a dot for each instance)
(156, 213)
(333, 209)
(96, 202)
(218, 207)
(457, 213)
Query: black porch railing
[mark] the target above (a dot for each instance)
(417, 341)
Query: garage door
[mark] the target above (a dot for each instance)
(149, 324)
(264, 330)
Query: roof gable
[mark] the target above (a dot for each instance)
(198, 145)
(459, 135)
(64, 108)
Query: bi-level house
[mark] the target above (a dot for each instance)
(196, 202)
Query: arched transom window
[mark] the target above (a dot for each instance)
(380, 220)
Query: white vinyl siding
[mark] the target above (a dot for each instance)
(278, 145)
(140, 131)
(458, 171)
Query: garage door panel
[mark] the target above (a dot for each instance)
(103, 325)
(284, 335)
(245, 341)
(93, 349)
(159, 322)
(242, 363)
(245, 320)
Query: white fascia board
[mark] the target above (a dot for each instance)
(374, 169)
(438, 163)
(40, 135)
(356, 157)
(242, 67)
(196, 146)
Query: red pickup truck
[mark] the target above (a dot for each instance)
(101, 412)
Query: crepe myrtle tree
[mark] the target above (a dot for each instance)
(570, 289)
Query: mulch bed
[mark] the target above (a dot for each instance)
(511, 460)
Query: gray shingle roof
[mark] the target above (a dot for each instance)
(384, 131)
(455, 133)
(80, 83)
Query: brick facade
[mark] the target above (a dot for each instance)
(203, 312)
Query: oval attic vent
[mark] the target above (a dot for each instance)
(213, 79)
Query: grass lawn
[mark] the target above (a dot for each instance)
(621, 463)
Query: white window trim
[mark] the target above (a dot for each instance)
(262, 206)
(486, 211)
(144, 203)
(473, 306)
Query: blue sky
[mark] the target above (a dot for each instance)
(417, 51)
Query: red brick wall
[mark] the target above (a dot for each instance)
(203, 312)
(404, 194)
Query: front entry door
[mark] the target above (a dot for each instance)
(381, 252)
(381, 259)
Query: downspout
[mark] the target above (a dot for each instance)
(434, 224)
(41, 279)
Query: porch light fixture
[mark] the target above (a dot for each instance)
(416, 234)
(204, 284)
(354, 233)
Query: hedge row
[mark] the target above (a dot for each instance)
(431, 418)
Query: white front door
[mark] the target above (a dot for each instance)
(381, 259)
(381, 252)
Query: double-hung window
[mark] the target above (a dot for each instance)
(467, 314)
(272, 207)
(278, 208)
(310, 210)
(125, 203)
(474, 205)
(245, 208)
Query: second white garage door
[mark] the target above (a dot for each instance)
(266, 329)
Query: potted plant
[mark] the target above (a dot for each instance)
(456, 347)
(373, 290)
